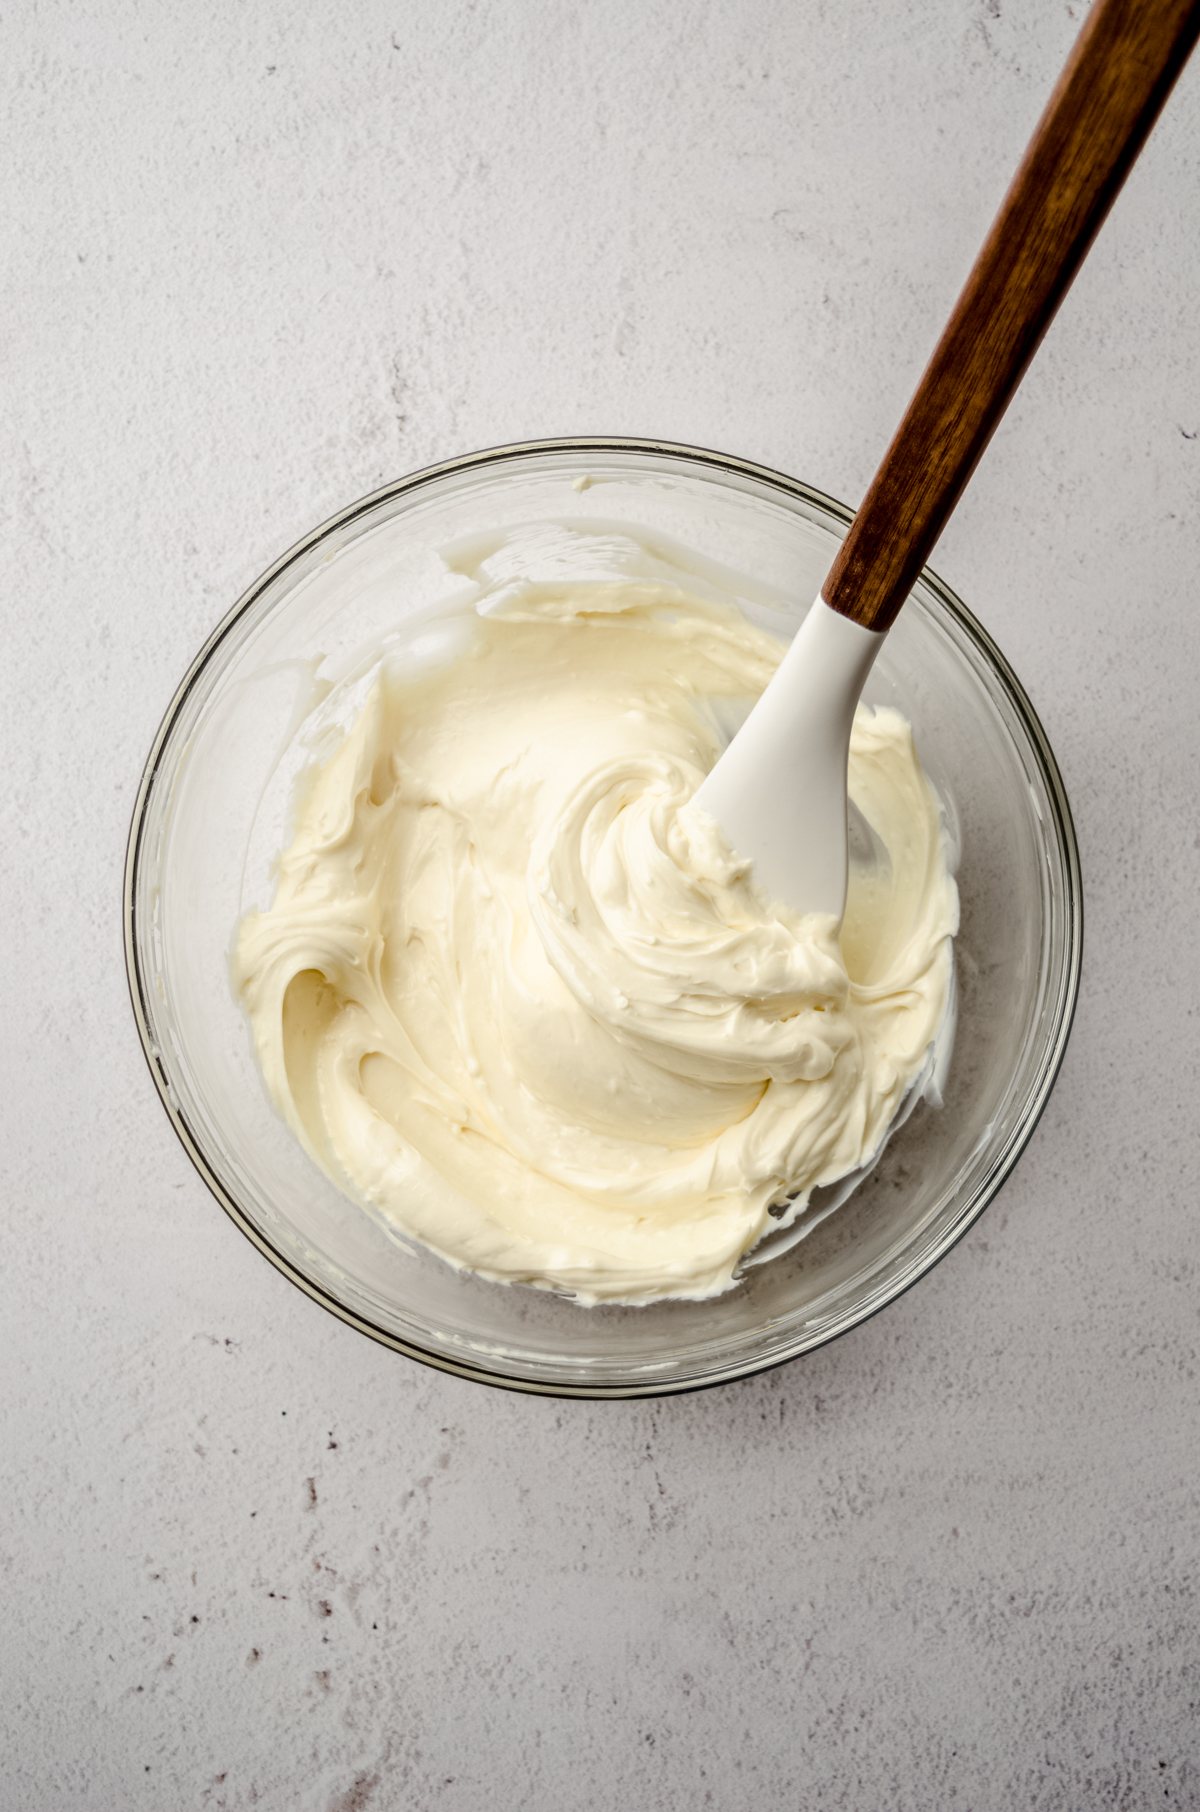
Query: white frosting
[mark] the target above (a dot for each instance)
(523, 999)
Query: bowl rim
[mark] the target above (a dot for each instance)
(141, 987)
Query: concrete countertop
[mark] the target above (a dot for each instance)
(259, 260)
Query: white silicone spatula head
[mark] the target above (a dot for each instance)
(779, 790)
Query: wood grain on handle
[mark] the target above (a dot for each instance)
(1108, 97)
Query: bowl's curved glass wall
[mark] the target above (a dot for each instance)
(212, 812)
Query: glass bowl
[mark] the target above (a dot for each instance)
(211, 812)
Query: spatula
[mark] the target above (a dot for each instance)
(779, 790)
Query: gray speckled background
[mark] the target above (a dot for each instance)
(259, 259)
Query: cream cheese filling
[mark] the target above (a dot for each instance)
(523, 999)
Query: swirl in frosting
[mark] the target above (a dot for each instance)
(519, 996)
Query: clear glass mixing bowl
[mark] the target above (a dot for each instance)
(211, 813)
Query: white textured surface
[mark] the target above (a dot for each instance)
(261, 258)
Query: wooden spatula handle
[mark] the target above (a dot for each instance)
(1108, 97)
